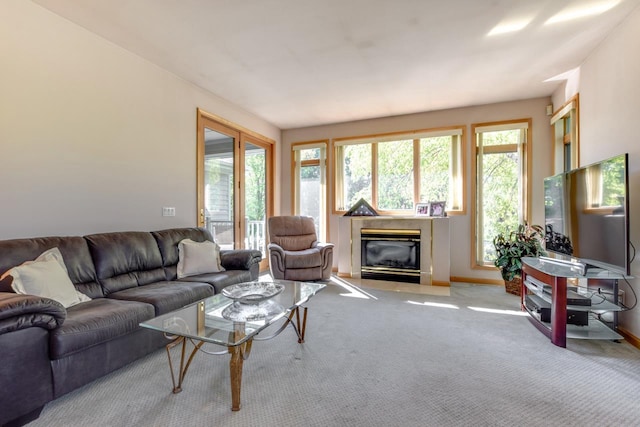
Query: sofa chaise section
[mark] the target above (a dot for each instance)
(48, 350)
(25, 368)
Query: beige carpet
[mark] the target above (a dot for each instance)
(380, 358)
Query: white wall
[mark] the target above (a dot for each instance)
(609, 87)
(460, 224)
(92, 137)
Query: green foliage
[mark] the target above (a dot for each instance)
(435, 173)
(525, 241)
(500, 198)
(255, 186)
(395, 175)
(310, 172)
(613, 182)
(357, 173)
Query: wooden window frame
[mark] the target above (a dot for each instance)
(526, 181)
(415, 136)
(298, 146)
(563, 139)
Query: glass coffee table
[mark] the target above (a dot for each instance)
(233, 319)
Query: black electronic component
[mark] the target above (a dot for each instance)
(543, 308)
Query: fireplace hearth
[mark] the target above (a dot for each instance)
(390, 254)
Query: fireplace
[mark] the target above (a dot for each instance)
(390, 254)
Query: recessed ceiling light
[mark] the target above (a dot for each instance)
(582, 11)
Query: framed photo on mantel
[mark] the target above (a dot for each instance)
(437, 209)
(422, 209)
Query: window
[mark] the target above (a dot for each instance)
(395, 175)
(566, 149)
(393, 172)
(441, 165)
(309, 183)
(501, 152)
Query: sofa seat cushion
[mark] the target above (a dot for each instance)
(306, 258)
(222, 279)
(94, 322)
(166, 296)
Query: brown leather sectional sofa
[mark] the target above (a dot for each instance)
(47, 350)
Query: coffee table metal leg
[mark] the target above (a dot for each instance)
(301, 328)
(235, 367)
(177, 388)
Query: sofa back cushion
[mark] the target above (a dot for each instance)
(125, 259)
(74, 250)
(168, 241)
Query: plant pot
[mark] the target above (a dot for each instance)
(513, 286)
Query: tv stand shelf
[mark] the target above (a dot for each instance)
(548, 281)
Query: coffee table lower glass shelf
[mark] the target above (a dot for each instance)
(233, 324)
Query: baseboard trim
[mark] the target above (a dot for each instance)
(440, 283)
(496, 282)
(631, 339)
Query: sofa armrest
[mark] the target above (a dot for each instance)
(240, 259)
(24, 311)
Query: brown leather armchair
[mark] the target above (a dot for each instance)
(294, 250)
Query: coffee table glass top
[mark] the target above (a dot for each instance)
(221, 320)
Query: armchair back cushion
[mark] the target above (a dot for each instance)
(294, 250)
(292, 233)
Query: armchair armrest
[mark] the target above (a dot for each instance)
(325, 247)
(24, 311)
(239, 259)
(276, 260)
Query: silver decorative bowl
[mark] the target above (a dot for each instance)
(252, 292)
(239, 312)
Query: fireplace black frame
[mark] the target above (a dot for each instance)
(405, 242)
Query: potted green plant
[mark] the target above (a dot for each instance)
(525, 241)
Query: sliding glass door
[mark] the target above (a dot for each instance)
(234, 177)
(217, 212)
(256, 193)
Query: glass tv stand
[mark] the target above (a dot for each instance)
(546, 285)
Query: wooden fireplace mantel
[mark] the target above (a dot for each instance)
(434, 246)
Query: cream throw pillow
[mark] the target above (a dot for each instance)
(46, 276)
(198, 258)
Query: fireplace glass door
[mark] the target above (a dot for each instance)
(390, 255)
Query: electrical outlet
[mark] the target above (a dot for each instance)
(168, 211)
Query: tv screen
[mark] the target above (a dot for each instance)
(587, 214)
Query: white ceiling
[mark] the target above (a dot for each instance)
(299, 63)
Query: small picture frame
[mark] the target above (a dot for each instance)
(422, 209)
(437, 209)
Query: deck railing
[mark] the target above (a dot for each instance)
(255, 235)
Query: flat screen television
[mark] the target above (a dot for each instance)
(587, 214)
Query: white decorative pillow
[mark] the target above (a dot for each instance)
(198, 258)
(47, 277)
